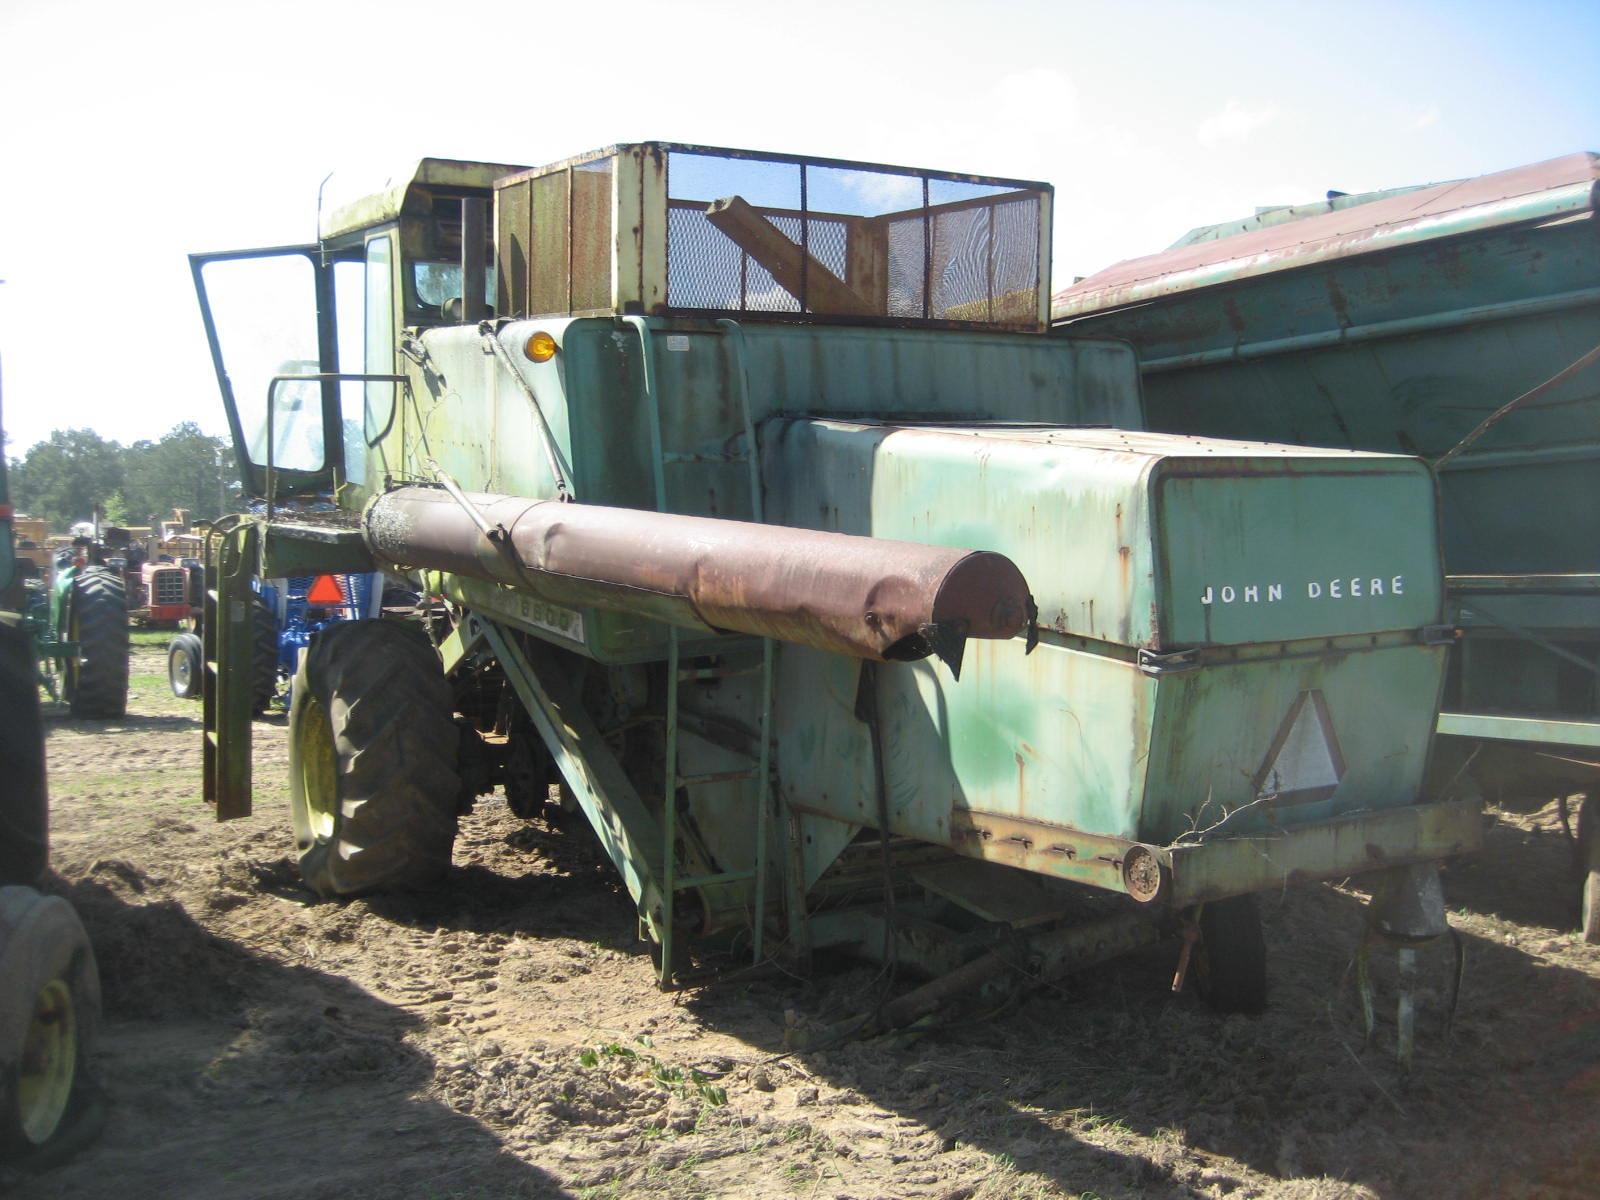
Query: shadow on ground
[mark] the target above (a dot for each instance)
(267, 1080)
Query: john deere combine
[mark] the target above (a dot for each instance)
(852, 611)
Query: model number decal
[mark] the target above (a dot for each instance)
(552, 617)
(1316, 589)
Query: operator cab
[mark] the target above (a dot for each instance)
(308, 340)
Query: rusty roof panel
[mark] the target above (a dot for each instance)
(1539, 191)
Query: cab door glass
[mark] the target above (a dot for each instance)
(378, 339)
(349, 300)
(264, 311)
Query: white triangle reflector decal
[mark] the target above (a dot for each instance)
(1304, 764)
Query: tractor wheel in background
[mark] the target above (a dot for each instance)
(372, 759)
(49, 1010)
(1230, 964)
(529, 771)
(264, 662)
(97, 621)
(186, 666)
(1589, 869)
(23, 821)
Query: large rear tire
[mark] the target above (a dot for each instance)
(49, 1012)
(97, 620)
(372, 760)
(23, 820)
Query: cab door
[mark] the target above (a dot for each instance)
(269, 313)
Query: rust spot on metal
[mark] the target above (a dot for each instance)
(1336, 300)
(1236, 320)
(1141, 873)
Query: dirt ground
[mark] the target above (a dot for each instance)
(501, 1036)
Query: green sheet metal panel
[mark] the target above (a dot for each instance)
(1059, 736)
(1271, 549)
(1219, 731)
(1067, 506)
(1140, 540)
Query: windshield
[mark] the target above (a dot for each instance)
(265, 315)
(435, 284)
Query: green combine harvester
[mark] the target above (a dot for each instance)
(1459, 322)
(751, 504)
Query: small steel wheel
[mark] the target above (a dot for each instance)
(184, 667)
(49, 1008)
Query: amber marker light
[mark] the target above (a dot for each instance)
(541, 347)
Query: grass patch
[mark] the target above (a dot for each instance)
(676, 1080)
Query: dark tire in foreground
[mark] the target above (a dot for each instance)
(97, 621)
(1230, 966)
(372, 760)
(185, 666)
(23, 821)
(49, 1012)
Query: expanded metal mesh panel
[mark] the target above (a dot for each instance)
(1014, 254)
(591, 235)
(705, 270)
(547, 289)
(769, 235)
(908, 267)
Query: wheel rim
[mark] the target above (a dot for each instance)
(319, 769)
(49, 1062)
(180, 672)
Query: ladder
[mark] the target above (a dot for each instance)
(227, 636)
(761, 770)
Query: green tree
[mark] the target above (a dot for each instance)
(116, 510)
(65, 476)
(186, 469)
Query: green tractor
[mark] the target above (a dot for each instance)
(80, 625)
(752, 504)
(49, 985)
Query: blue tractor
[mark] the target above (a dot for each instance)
(286, 613)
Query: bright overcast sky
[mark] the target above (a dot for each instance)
(135, 133)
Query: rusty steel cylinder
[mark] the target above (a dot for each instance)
(860, 596)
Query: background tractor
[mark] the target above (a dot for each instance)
(756, 510)
(71, 603)
(285, 614)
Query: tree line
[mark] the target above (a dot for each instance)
(72, 472)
